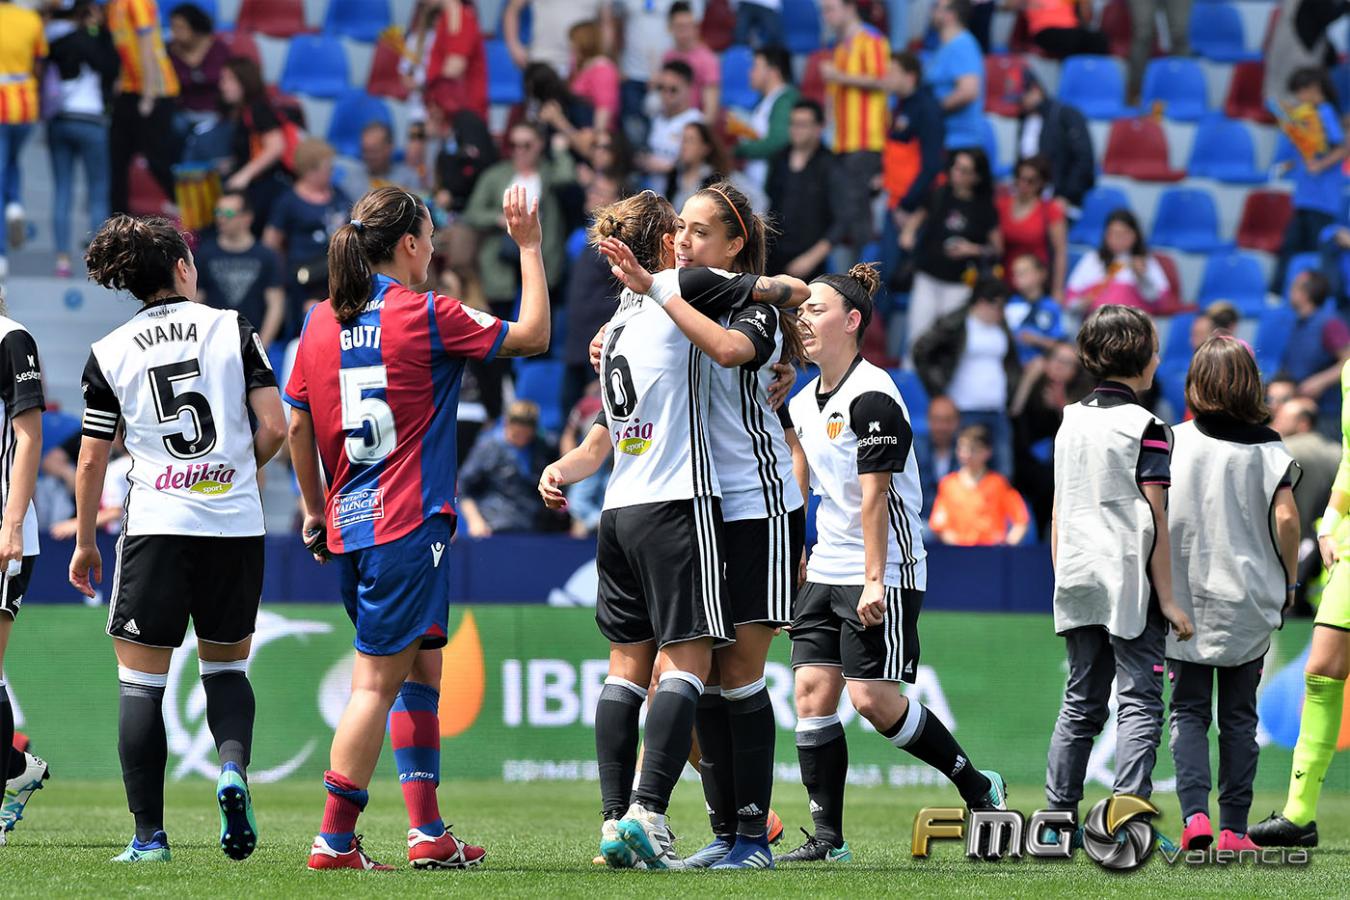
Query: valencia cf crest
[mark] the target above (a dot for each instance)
(834, 424)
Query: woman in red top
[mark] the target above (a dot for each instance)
(595, 77)
(457, 63)
(1033, 224)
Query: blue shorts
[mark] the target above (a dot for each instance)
(399, 592)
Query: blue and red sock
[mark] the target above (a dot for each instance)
(344, 805)
(415, 732)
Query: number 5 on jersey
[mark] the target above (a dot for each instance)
(369, 415)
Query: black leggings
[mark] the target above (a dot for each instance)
(151, 135)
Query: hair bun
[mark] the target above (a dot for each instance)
(868, 275)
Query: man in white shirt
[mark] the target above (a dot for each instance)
(675, 84)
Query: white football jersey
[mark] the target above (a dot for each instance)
(655, 388)
(20, 391)
(862, 426)
(178, 375)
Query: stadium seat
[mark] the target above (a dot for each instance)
(813, 83)
(385, 80)
(1118, 26)
(506, 84)
(1273, 327)
(1137, 148)
(1098, 203)
(1177, 345)
(1187, 220)
(1236, 277)
(1340, 79)
(1178, 86)
(1171, 381)
(1298, 264)
(359, 19)
(1173, 273)
(353, 111)
(801, 26)
(913, 393)
(315, 65)
(1095, 85)
(1265, 216)
(1000, 168)
(540, 380)
(1003, 80)
(1224, 150)
(1217, 34)
(276, 18)
(1246, 94)
(144, 195)
(241, 43)
(736, 90)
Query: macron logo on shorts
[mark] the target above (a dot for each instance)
(436, 550)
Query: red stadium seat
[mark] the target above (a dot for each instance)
(277, 18)
(1246, 96)
(385, 80)
(1169, 266)
(1118, 26)
(813, 84)
(1265, 215)
(145, 197)
(1004, 77)
(719, 25)
(241, 43)
(1020, 40)
(1137, 148)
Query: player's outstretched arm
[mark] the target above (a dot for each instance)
(578, 464)
(271, 430)
(528, 335)
(783, 291)
(86, 565)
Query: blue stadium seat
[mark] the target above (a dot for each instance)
(1236, 277)
(353, 111)
(506, 84)
(736, 90)
(315, 65)
(1177, 84)
(359, 19)
(1171, 381)
(1098, 203)
(801, 26)
(1096, 85)
(1188, 220)
(915, 396)
(1298, 264)
(540, 380)
(1224, 150)
(1177, 343)
(1217, 34)
(1000, 169)
(1273, 328)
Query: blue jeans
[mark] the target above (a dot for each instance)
(764, 23)
(69, 139)
(11, 142)
(1000, 432)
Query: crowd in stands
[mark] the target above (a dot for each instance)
(994, 242)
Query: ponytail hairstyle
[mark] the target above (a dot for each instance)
(136, 255)
(740, 221)
(641, 221)
(380, 219)
(857, 288)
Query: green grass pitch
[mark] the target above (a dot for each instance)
(541, 837)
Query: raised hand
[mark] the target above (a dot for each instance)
(625, 266)
(522, 218)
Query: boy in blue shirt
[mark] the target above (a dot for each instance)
(1318, 179)
(1033, 316)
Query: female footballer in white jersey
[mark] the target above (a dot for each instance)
(855, 622)
(763, 510)
(181, 379)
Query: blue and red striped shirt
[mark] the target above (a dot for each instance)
(383, 390)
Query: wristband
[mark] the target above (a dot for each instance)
(662, 292)
(1330, 519)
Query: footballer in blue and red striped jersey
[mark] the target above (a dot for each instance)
(383, 391)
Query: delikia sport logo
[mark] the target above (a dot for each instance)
(200, 478)
(635, 439)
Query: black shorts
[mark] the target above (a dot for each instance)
(661, 573)
(163, 579)
(13, 587)
(762, 559)
(826, 631)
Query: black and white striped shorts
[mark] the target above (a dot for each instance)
(762, 560)
(826, 631)
(13, 587)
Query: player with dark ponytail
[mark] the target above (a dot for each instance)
(855, 624)
(180, 380)
(374, 393)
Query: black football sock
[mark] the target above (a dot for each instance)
(670, 734)
(713, 722)
(616, 742)
(822, 752)
(752, 735)
(6, 732)
(922, 734)
(143, 747)
(230, 710)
